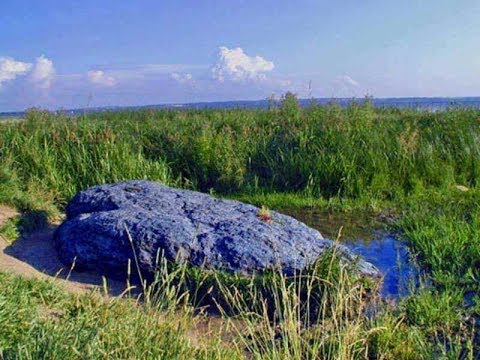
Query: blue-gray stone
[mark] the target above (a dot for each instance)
(183, 225)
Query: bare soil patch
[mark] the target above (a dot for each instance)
(34, 256)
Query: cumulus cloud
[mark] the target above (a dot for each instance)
(182, 78)
(100, 78)
(43, 73)
(234, 74)
(235, 65)
(10, 69)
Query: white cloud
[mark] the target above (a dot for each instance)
(234, 64)
(43, 73)
(99, 77)
(146, 71)
(10, 69)
(345, 86)
(182, 78)
(348, 81)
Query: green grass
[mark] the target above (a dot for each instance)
(9, 230)
(321, 152)
(444, 228)
(408, 162)
(39, 321)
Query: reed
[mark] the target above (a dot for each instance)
(423, 166)
(356, 152)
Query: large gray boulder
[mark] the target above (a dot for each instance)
(184, 226)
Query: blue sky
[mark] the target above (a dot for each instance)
(67, 54)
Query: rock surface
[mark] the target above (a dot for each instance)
(185, 226)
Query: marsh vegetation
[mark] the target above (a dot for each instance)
(417, 170)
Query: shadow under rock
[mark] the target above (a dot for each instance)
(36, 248)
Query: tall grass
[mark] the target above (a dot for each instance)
(59, 156)
(328, 151)
(444, 228)
(41, 321)
(412, 161)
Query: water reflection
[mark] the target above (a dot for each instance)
(368, 237)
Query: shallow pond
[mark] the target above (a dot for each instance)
(367, 236)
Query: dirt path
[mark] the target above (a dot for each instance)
(34, 256)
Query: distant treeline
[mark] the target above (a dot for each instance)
(420, 103)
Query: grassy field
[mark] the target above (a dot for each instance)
(422, 167)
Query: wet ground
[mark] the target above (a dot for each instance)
(367, 236)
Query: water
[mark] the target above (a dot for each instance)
(366, 236)
(421, 103)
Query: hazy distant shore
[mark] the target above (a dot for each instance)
(421, 103)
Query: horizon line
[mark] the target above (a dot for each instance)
(199, 103)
